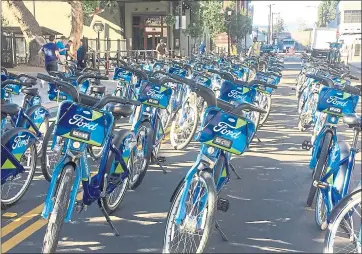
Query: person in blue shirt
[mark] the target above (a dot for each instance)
(81, 56)
(202, 48)
(51, 53)
(61, 44)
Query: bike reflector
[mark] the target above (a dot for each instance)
(336, 102)
(83, 124)
(155, 95)
(226, 131)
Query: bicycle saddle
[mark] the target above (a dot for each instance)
(322, 80)
(352, 120)
(98, 89)
(10, 109)
(119, 110)
(33, 91)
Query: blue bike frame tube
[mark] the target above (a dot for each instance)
(350, 166)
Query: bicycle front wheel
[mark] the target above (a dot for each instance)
(59, 212)
(193, 233)
(344, 233)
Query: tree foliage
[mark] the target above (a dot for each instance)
(326, 12)
(278, 27)
(196, 27)
(240, 23)
(213, 17)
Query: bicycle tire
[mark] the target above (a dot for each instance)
(338, 213)
(266, 115)
(43, 158)
(192, 133)
(133, 184)
(320, 167)
(208, 179)
(56, 219)
(18, 196)
(46, 122)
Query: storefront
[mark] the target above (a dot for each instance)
(147, 30)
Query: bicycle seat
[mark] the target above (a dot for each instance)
(10, 109)
(320, 79)
(352, 120)
(98, 89)
(33, 91)
(29, 82)
(119, 110)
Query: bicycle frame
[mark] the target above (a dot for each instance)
(205, 161)
(92, 186)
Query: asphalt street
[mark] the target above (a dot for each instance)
(267, 206)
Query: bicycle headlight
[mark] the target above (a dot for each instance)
(210, 150)
(76, 145)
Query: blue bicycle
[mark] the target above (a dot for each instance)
(331, 162)
(85, 121)
(225, 131)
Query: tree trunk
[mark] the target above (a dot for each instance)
(31, 31)
(77, 23)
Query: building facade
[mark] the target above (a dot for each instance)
(348, 24)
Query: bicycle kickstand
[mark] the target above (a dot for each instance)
(158, 163)
(222, 234)
(108, 219)
(233, 169)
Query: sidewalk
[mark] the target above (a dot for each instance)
(27, 69)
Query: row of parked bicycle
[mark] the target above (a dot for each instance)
(325, 96)
(218, 102)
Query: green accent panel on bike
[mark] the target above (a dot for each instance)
(223, 174)
(8, 165)
(346, 95)
(119, 169)
(245, 90)
(330, 179)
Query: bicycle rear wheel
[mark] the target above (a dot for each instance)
(199, 224)
(344, 233)
(59, 212)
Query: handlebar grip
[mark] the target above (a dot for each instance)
(12, 75)
(352, 89)
(109, 99)
(26, 76)
(101, 77)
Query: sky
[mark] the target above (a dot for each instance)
(292, 12)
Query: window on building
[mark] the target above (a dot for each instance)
(357, 50)
(352, 16)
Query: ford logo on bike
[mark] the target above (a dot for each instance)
(19, 141)
(82, 121)
(336, 101)
(226, 129)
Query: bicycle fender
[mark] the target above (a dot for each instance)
(339, 152)
(317, 145)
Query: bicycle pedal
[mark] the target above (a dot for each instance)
(222, 204)
(161, 159)
(307, 145)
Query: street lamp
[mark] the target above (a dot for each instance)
(270, 17)
(229, 20)
(98, 27)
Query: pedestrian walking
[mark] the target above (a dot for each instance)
(51, 53)
(161, 50)
(81, 56)
(61, 44)
(255, 48)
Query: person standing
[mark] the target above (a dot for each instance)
(202, 48)
(62, 52)
(81, 56)
(255, 48)
(69, 53)
(51, 53)
(161, 50)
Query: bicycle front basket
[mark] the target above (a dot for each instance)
(226, 131)
(336, 102)
(155, 95)
(83, 124)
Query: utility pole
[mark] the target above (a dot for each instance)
(180, 26)
(269, 24)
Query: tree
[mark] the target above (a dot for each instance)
(213, 17)
(31, 31)
(196, 27)
(240, 23)
(301, 24)
(77, 23)
(326, 12)
(278, 27)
